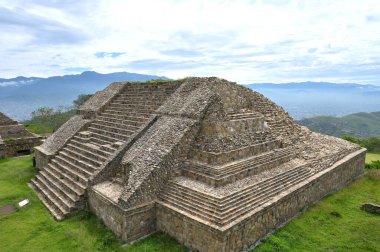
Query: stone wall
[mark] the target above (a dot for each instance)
(127, 225)
(17, 147)
(273, 214)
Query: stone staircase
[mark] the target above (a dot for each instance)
(233, 171)
(189, 198)
(244, 115)
(62, 184)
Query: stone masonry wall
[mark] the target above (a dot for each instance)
(12, 148)
(270, 216)
(127, 225)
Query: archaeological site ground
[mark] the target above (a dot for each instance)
(15, 140)
(215, 165)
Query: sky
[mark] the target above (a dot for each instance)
(243, 41)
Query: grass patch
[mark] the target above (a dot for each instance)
(334, 224)
(39, 129)
(371, 157)
(32, 228)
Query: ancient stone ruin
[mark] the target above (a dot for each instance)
(15, 140)
(212, 163)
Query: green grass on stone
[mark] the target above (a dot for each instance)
(334, 224)
(371, 157)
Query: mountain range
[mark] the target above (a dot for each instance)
(361, 125)
(309, 99)
(22, 95)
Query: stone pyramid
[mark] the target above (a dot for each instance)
(212, 163)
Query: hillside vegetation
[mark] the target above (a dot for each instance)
(362, 125)
(45, 120)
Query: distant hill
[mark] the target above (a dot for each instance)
(20, 96)
(362, 125)
(308, 99)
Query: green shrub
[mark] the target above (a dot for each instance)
(372, 144)
(373, 165)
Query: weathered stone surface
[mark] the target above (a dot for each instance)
(15, 139)
(214, 164)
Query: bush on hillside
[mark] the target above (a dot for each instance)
(373, 165)
(46, 120)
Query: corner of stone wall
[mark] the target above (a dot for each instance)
(42, 156)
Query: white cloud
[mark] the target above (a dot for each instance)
(244, 41)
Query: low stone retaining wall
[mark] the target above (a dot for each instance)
(247, 231)
(128, 225)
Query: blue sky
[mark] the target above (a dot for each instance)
(242, 41)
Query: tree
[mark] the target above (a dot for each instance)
(81, 99)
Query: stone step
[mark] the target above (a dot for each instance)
(76, 174)
(76, 159)
(122, 129)
(56, 196)
(81, 157)
(119, 124)
(136, 123)
(231, 200)
(231, 209)
(100, 139)
(136, 118)
(134, 106)
(244, 191)
(129, 110)
(114, 112)
(108, 135)
(235, 174)
(75, 185)
(215, 170)
(256, 166)
(92, 147)
(136, 96)
(59, 214)
(69, 188)
(74, 165)
(86, 152)
(243, 116)
(222, 215)
(58, 184)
